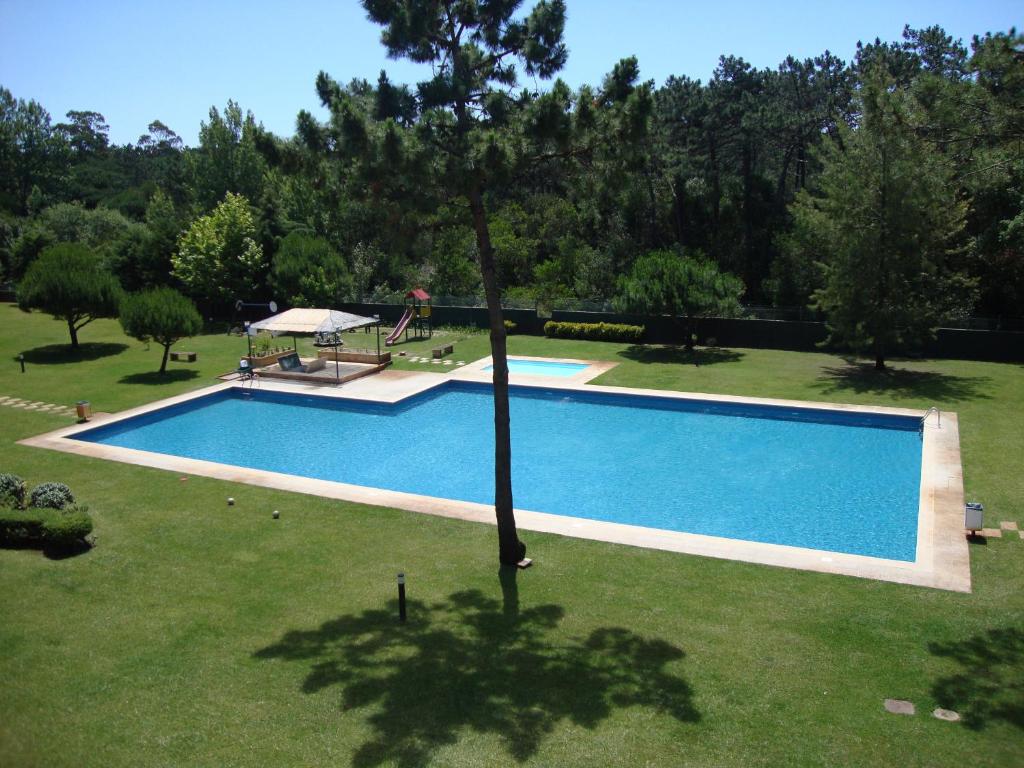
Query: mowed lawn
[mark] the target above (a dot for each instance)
(200, 634)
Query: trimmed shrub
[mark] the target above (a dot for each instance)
(510, 327)
(12, 491)
(68, 528)
(24, 526)
(51, 496)
(594, 331)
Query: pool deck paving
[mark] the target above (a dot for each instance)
(942, 559)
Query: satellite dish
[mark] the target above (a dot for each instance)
(238, 306)
(273, 306)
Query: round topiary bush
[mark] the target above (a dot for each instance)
(68, 529)
(51, 496)
(12, 491)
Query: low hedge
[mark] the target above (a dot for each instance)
(51, 520)
(19, 527)
(594, 331)
(45, 527)
(68, 528)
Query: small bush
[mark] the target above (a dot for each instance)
(68, 528)
(594, 331)
(12, 491)
(19, 527)
(510, 327)
(51, 496)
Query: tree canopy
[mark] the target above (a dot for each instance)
(162, 315)
(681, 286)
(575, 185)
(887, 226)
(218, 258)
(69, 282)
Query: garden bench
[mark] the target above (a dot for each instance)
(442, 350)
(184, 357)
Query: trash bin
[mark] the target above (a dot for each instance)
(973, 512)
(84, 410)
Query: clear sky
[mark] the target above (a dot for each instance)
(141, 60)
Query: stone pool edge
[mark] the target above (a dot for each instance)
(942, 559)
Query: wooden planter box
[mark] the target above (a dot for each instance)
(264, 360)
(370, 358)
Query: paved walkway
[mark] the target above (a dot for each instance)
(31, 405)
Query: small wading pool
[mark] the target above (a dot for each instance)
(541, 367)
(829, 480)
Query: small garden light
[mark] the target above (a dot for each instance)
(401, 597)
(231, 501)
(21, 359)
(276, 514)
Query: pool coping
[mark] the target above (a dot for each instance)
(942, 559)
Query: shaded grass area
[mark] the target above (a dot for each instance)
(201, 634)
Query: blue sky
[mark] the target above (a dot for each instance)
(139, 61)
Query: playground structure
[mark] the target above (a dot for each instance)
(417, 314)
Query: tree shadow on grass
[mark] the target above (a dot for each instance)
(155, 377)
(470, 662)
(901, 383)
(991, 685)
(59, 354)
(642, 353)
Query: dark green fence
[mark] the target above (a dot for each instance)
(801, 336)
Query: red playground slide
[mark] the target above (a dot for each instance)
(393, 336)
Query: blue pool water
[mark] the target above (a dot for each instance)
(542, 367)
(802, 477)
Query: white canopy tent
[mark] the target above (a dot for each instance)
(318, 322)
(299, 320)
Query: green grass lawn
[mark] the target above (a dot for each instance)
(200, 634)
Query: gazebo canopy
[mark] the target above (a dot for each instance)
(311, 321)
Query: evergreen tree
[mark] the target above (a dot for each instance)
(68, 281)
(162, 315)
(308, 272)
(681, 286)
(885, 219)
(471, 131)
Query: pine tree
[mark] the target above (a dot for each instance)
(884, 221)
(466, 130)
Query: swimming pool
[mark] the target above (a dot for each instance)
(804, 477)
(541, 367)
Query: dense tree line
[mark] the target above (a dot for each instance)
(724, 171)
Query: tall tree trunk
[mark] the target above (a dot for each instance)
(163, 363)
(510, 549)
(74, 333)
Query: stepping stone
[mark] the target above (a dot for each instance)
(994, 533)
(48, 407)
(1008, 525)
(899, 707)
(447, 362)
(946, 714)
(1021, 534)
(435, 362)
(460, 362)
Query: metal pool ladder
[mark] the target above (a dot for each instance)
(938, 417)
